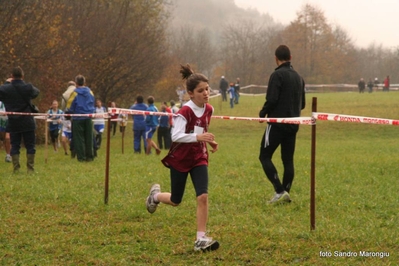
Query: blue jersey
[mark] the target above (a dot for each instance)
(151, 120)
(139, 120)
(54, 116)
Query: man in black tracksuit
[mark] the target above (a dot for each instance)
(285, 98)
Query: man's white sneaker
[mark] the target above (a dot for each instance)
(150, 202)
(206, 244)
(279, 198)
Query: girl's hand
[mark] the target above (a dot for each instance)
(214, 146)
(207, 137)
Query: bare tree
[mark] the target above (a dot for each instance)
(320, 52)
(194, 47)
(246, 51)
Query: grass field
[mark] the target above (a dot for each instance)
(58, 215)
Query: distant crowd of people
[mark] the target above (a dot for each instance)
(373, 84)
(232, 89)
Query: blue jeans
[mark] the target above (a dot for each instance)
(139, 134)
(237, 97)
(29, 138)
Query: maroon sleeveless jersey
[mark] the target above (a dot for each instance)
(185, 156)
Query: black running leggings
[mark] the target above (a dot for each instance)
(199, 177)
(275, 136)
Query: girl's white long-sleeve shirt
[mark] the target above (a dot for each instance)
(179, 125)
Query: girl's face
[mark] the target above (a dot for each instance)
(54, 105)
(200, 95)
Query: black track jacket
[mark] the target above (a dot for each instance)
(285, 95)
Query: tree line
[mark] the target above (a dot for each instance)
(323, 53)
(127, 47)
(118, 45)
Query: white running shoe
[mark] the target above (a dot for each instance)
(206, 244)
(279, 198)
(150, 202)
(8, 158)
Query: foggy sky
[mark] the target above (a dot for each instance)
(365, 21)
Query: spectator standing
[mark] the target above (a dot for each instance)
(66, 134)
(370, 85)
(361, 85)
(81, 101)
(231, 93)
(237, 91)
(55, 124)
(173, 107)
(223, 86)
(122, 122)
(174, 110)
(169, 111)
(4, 135)
(386, 84)
(181, 92)
(151, 122)
(285, 98)
(189, 155)
(164, 140)
(114, 119)
(65, 97)
(99, 122)
(139, 125)
(17, 96)
(376, 83)
(67, 94)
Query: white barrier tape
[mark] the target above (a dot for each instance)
(321, 86)
(136, 112)
(116, 120)
(95, 115)
(290, 120)
(354, 119)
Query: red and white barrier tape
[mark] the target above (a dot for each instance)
(95, 115)
(136, 112)
(290, 120)
(354, 119)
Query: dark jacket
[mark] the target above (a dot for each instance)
(16, 97)
(237, 87)
(285, 95)
(223, 85)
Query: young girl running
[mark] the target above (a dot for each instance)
(189, 154)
